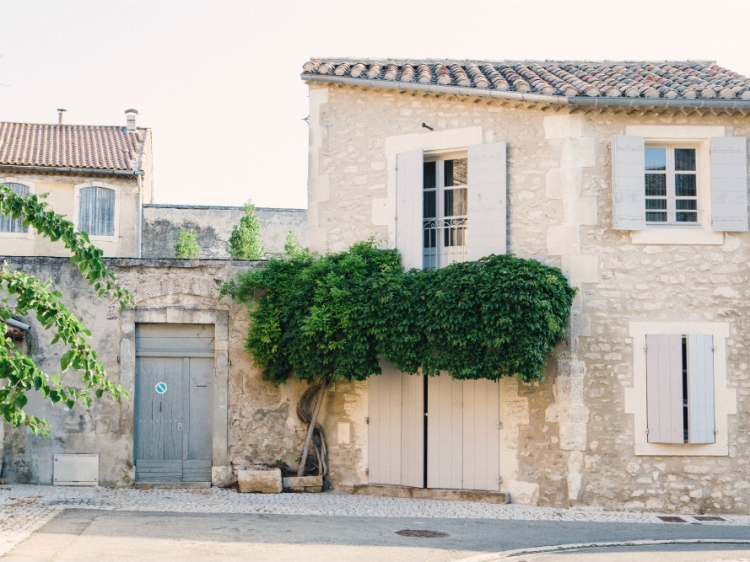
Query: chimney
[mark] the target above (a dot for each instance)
(130, 115)
(60, 113)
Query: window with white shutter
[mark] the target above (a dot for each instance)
(680, 389)
(658, 183)
(450, 207)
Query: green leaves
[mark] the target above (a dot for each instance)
(335, 316)
(18, 373)
(244, 242)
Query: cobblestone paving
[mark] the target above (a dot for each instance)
(25, 508)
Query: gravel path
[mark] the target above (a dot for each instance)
(25, 508)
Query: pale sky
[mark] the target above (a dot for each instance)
(218, 80)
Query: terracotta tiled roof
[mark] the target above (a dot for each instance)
(668, 80)
(76, 146)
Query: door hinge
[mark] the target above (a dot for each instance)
(499, 425)
(367, 472)
(647, 430)
(367, 420)
(499, 479)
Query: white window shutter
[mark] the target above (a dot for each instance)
(409, 186)
(729, 184)
(701, 418)
(96, 211)
(487, 200)
(664, 389)
(628, 183)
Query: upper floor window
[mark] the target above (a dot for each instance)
(671, 188)
(9, 224)
(444, 211)
(675, 178)
(96, 211)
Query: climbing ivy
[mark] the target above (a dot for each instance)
(25, 294)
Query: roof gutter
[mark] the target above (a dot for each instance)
(69, 170)
(580, 101)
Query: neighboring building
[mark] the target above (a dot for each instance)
(214, 224)
(98, 176)
(629, 176)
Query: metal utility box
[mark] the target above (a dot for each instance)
(76, 469)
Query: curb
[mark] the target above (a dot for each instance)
(507, 554)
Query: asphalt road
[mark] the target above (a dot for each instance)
(84, 535)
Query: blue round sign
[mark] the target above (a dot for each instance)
(161, 387)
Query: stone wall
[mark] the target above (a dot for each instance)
(254, 421)
(576, 437)
(161, 224)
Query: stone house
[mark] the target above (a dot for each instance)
(98, 176)
(629, 176)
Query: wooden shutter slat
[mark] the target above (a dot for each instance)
(409, 187)
(628, 183)
(729, 184)
(701, 415)
(487, 200)
(664, 389)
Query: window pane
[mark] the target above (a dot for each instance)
(429, 238)
(456, 171)
(656, 203)
(656, 217)
(429, 180)
(687, 205)
(656, 158)
(656, 184)
(429, 206)
(687, 217)
(684, 159)
(455, 202)
(685, 185)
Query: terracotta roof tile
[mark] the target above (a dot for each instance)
(673, 80)
(76, 146)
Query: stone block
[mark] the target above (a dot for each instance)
(222, 476)
(303, 484)
(259, 481)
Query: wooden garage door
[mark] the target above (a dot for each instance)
(462, 447)
(174, 374)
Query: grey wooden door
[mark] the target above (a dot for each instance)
(174, 371)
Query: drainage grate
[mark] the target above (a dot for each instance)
(671, 519)
(708, 518)
(422, 534)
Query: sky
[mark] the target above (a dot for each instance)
(218, 81)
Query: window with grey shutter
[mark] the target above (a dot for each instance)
(680, 389)
(487, 199)
(628, 183)
(7, 223)
(96, 212)
(729, 184)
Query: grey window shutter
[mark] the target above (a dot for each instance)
(7, 223)
(701, 418)
(729, 184)
(96, 211)
(664, 389)
(487, 199)
(628, 183)
(409, 173)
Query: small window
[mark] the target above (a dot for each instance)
(680, 389)
(444, 211)
(96, 211)
(9, 224)
(671, 185)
